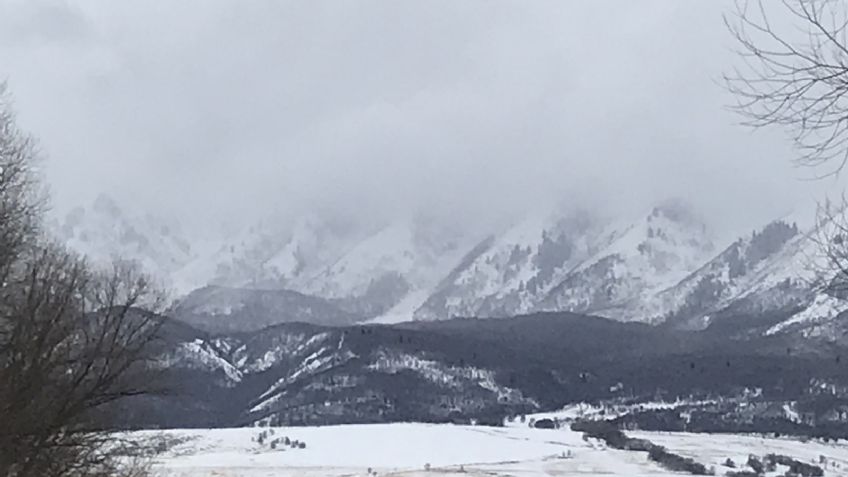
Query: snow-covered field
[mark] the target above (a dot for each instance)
(716, 449)
(407, 449)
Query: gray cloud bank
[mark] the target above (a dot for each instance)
(225, 109)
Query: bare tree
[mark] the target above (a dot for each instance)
(830, 262)
(73, 339)
(21, 197)
(794, 74)
(74, 342)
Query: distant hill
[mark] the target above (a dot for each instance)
(226, 309)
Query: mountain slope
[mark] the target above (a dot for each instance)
(276, 252)
(457, 370)
(507, 273)
(575, 264)
(766, 269)
(397, 265)
(104, 232)
(224, 309)
(636, 261)
(283, 254)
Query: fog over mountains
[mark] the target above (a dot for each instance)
(418, 154)
(663, 266)
(316, 320)
(581, 231)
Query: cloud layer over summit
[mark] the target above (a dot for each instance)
(214, 108)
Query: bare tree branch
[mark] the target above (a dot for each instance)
(73, 339)
(794, 78)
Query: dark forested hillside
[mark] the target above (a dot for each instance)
(462, 369)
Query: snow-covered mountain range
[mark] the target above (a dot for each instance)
(664, 265)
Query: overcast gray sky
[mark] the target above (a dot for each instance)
(234, 108)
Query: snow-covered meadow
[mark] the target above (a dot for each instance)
(412, 449)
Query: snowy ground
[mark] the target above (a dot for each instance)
(406, 449)
(716, 449)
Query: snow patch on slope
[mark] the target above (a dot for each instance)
(444, 375)
(823, 308)
(199, 353)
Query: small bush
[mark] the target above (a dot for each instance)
(603, 430)
(755, 464)
(797, 467)
(639, 445)
(742, 473)
(676, 463)
(544, 424)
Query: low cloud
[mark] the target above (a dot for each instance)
(214, 109)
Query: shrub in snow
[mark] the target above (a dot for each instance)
(771, 466)
(302, 445)
(676, 462)
(755, 464)
(161, 447)
(544, 424)
(642, 445)
(796, 466)
(603, 430)
(729, 463)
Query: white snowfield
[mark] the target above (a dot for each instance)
(439, 450)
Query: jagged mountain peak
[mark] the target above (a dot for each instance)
(506, 273)
(634, 260)
(766, 269)
(104, 232)
(390, 271)
(677, 210)
(662, 264)
(668, 228)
